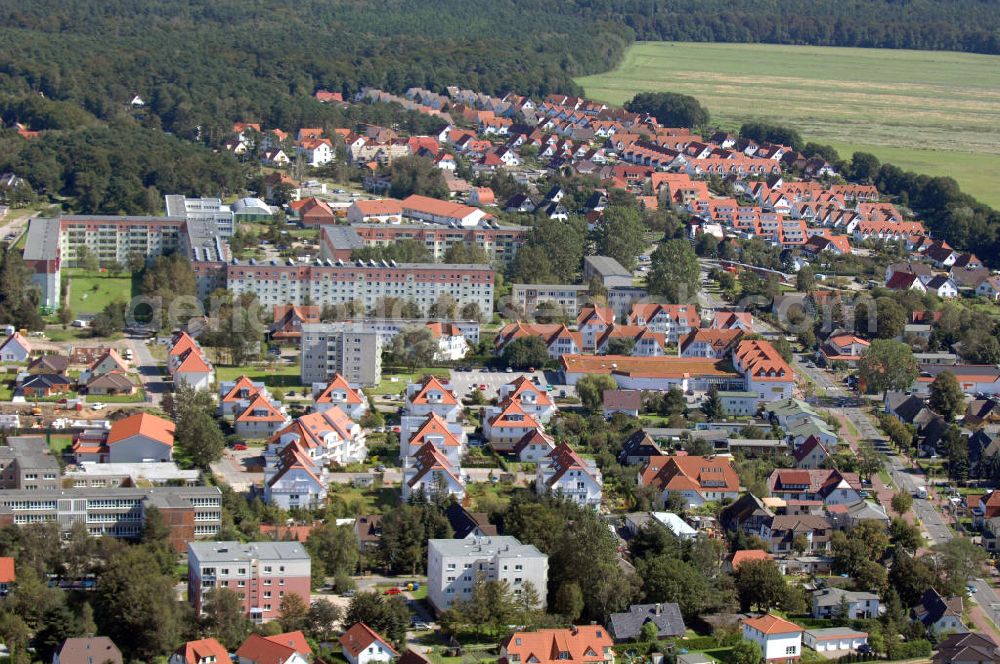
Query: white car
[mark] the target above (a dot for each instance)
(98, 406)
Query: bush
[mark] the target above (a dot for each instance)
(911, 649)
(699, 643)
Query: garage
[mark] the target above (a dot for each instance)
(833, 639)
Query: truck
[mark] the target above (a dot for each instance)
(921, 492)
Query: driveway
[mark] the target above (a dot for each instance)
(232, 468)
(150, 371)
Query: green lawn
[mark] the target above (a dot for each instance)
(390, 386)
(933, 112)
(59, 443)
(280, 374)
(90, 292)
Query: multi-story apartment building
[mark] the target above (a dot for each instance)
(499, 242)
(366, 283)
(208, 250)
(25, 463)
(42, 256)
(207, 209)
(455, 565)
(115, 239)
(191, 512)
(341, 348)
(260, 573)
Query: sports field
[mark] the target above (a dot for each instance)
(934, 112)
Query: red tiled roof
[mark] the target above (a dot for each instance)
(772, 624)
(142, 424)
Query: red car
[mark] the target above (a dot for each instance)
(240, 447)
(392, 591)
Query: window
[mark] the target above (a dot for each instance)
(790, 650)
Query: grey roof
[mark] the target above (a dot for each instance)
(666, 616)
(833, 632)
(502, 546)
(204, 241)
(30, 452)
(343, 237)
(223, 552)
(833, 596)
(43, 240)
(606, 266)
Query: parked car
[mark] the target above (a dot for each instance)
(392, 591)
(240, 447)
(98, 406)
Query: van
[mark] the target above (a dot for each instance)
(921, 493)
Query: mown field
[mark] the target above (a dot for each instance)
(934, 112)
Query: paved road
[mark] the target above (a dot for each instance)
(150, 371)
(936, 530)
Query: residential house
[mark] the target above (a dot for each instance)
(432, 396)
(733, 320)
(48, 364)
(672, 320)
(827, 485)
(836, 602)
(368, 531)
(942, 614)
(559, 339)
(785, 531)
(507, 423)
(780, 641)
(709, 342)
(448, 438)
(327, 436)
(533, 447)
(989, 288)
(288, 319)
(465, 523)
(747, 514)
(235, 395)
(290, 648)
(586, 644)
(566, 473)
(202, 651)
(88, 650)
(638, 448)
(44, 385)
(591, 322)
(360, 644)
(696, 479)
(15, 348)
(844, 348)
(970, 648)
(261, 418)
(738, 558)
(811, 454)
(429, 473)
(338, 392)
(628, 402)
(532, 399)
(628, 625)
(941, 285)
(114, 383)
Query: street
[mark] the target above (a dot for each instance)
(149, 369)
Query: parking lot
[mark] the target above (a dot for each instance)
(463, 381)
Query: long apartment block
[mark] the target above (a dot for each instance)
(53, 243)
(190, 512)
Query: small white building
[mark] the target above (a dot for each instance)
(779, 639)
(832, 639)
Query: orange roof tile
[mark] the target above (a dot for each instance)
(772, 624)
(142, 424)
